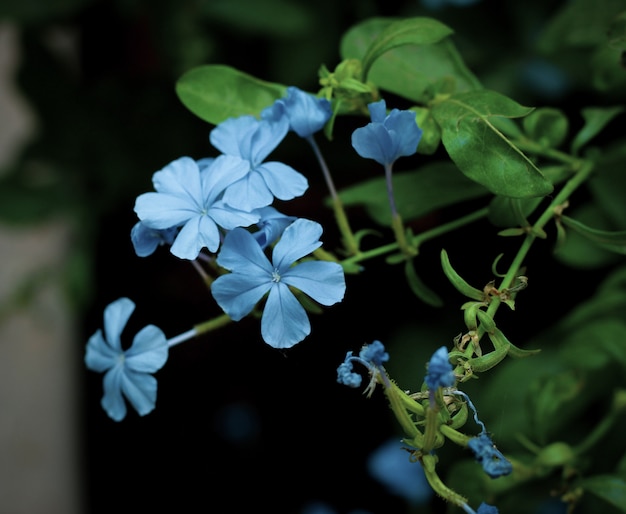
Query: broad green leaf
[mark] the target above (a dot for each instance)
(421, 290)
(415, 72)
(596, 118)
(414, 192)
(547, 126)
(216, 92)
(610, 488)
(614, 241)
(411, 31)
(481, 151)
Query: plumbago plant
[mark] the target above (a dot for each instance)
(219, 214)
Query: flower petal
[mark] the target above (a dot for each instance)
(374, 142)
(112, 401)
(284, 322)
(221, 173)
(230, 218)
(99, 355)
(283, 181)
(199, 232)
(180, 177)
(404, 131)
(249, 193)
(378, 111)
(237, 294)
(323, 281)
(298, 240)
(149, 350)
(163, 211)
(140, 389)
(307, 114)
(116, 316)
(229, 135)
(241, 253)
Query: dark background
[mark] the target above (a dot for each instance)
(111, 118)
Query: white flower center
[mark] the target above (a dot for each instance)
(275, 276)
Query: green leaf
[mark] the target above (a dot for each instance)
(421, 290)
(415, 72)
(577, 251)
(505, 211)
(614, 241)
(596, 344)
(610, 488)
(481, 151)
(411, 31)
(546, 126)
(596, 118)
(216, 92)
(459, 282)
(431, 133)
(413, 192)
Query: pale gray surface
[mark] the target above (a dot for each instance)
(38, 375)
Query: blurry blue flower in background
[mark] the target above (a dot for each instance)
(318, 507)
(391, 466)
(238, 423)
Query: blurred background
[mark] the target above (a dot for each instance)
(88, 113)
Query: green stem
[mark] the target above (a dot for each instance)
(417, 240)
(349, 240)
(570, 186)
(212, 324)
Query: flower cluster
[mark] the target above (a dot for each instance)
(222, 206)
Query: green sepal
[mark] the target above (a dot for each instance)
(456, 437)
(614, 241)
(488, 360)
(486, 321)
(481, 151)
(216, 92)
(457, 281)
(499, 340)
(460, 417)
(470, 311)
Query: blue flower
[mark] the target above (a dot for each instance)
(307, 114)
(387, 137)
(284, 321)
(127, 371)
(146, 240)
(440, 373)
(345, 375)
(391, 466)
(484, 508)
(189, 197)
(271, 226)
(493, 462)
(252, 140)
(374, 353)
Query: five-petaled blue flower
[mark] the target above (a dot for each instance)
(440, 373)
(388, 136)
(252, 140)
(188, 196)
(127, 371)
(307, 114)
(284, 321)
